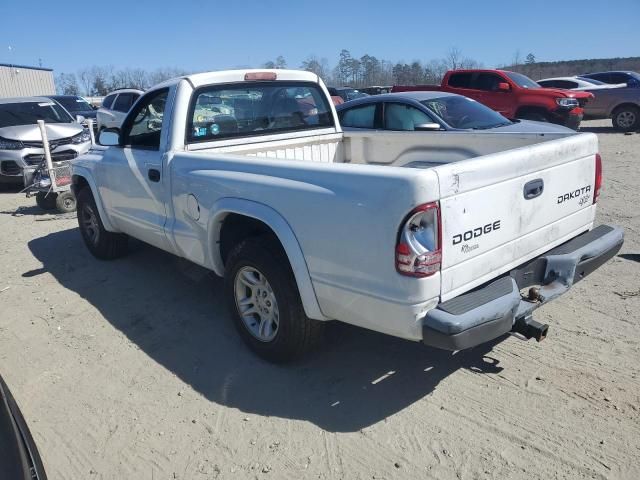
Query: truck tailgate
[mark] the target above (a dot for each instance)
(501, 210)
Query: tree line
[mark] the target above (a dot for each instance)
(363, 71)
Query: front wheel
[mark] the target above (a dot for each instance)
(66, 202)
(626, 118)
(46, 200)
(263, 297)
(535, 116)
(101, 243)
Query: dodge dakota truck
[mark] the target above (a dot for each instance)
(452, 239)
(513, 95)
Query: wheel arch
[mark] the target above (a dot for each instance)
(258, 217)
(532, 109)
(82, 178)
(622, 105)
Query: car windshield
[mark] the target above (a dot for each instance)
(351, 94)
(28, 113)
(593, 81)
(74, 104)
(522, 80)
(463, 112)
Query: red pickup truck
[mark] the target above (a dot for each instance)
(513, 95)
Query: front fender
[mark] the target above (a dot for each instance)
(85, 173)
(283, 231)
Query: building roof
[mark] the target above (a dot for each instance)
(11, 65)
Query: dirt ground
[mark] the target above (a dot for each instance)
(132, 370)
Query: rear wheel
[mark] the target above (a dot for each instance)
(101, 243)
(46, 200)
(263, 297)
(626, 118)
(66, 202)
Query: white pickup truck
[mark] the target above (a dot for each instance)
(449, 238)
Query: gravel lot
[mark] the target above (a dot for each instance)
(132, 370)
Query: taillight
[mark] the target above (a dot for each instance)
(597, 184)
(418, 252)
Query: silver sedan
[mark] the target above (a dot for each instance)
(21, 142)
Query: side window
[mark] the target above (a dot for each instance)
(603, 77)
(618, 78)
(108, 100)
(403, 117)
(487, 82)
(359, 117)
(143, 125)
(123, 102)
(567, 84)
(460, 80)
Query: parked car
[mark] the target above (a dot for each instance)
(432, 111)
(376, 90)
(19, 456)
(513, 95)
(308, 223)
(632, 79)
(576, 83)
(21, 141)
(115, 107)
(621, 105)
(346, 93)
(77, 105)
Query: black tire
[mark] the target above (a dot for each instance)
(295, 333)
(626, 118)
(535, 116)
(66, 202)
(101, 243)
(46, 200)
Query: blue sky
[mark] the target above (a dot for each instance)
(200, 35)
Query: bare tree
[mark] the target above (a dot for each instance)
(67, 84)
(454, 58)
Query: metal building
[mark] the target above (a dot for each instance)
(23, 81)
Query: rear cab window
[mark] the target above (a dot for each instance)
(460, 80)
(260, 108)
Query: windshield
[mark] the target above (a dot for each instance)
(351, 94)
(261, 108)
(28, 113)
(522, 80)
(462, 112)
(74, 104)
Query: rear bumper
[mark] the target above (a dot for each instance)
(490, 311)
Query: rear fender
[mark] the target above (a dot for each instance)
(283, 231)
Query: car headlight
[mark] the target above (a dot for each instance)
(567, 102)
(83, 137)
(6, 144)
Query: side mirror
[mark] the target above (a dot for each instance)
(427, 127)
(109, 137)
(80, 119)
(504, 87)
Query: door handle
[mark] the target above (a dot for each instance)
(154, 175)
(533, 189)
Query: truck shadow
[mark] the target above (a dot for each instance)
(174, 311)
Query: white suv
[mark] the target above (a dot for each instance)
(115, 107)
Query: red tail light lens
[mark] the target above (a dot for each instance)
(597, 184)
(418, 251)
